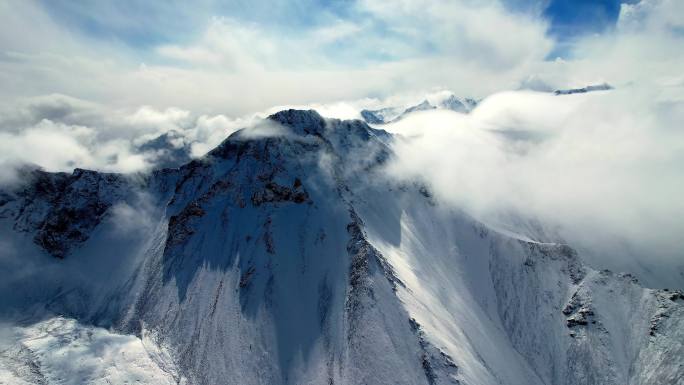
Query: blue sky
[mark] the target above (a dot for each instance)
(572, 19)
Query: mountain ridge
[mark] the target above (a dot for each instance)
(291, 258)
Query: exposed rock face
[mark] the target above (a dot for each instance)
(584, 90)
(301, 122)
(60, 209)
(291, 258)
(180, 226)
(273, 192)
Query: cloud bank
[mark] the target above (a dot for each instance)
(604, 167)
(603, 170)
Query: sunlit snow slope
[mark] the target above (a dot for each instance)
(60, 351)
(286, 256)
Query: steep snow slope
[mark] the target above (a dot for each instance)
(286, 256)
(563, 322)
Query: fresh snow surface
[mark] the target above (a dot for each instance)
(62, 351)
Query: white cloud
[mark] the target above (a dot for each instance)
(484, 33)
(151, 119)
(59, 133)
(604, 168)
(646, 47)
(263, 129)
(60, 147)
(237, 67)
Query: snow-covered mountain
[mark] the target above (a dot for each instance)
(393, 114)
(287, 256)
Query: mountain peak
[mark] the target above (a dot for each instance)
(300, 121)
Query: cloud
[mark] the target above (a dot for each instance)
(484, 33)
(59, 133)
(136, 217)
(604, 169)
(114, 97)
(645, 48)
(264, 129)
(60, 147)
(239, 64)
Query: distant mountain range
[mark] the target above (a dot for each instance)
(452, 102)
(393, 114)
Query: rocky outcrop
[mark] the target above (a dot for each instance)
(584, 90)
(180, 226)
(274, 193)
(435, 362)
(579, 312)
(62, 209)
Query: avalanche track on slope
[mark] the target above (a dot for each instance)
(285, 256)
